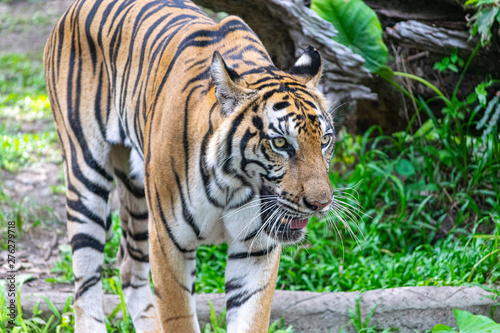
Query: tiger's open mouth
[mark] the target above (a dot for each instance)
(287, 230)
(281, 224)
(295, 223)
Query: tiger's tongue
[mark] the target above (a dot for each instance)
(298, 224)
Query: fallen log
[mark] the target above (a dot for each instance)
(424, 37)
(407, 308)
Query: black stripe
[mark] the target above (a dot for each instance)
(137, 216)
(206, 175)
(137, 254)
(244, 255)
(148, 308)
(77, 172)
(78, 206)
(89, 283)
(88, 24)
(136, 191)
(156, 292)
(81, 241)
(167, 227)
(232, 285)
(71, 218)
(146, 37)
(281, 105)
(241, 298)
(229, 150)
(98, 101)
(185, 143)
(138, 236)
(97, 319)
(108, 222)
(126, 285)
(186, 214)
(244, 161)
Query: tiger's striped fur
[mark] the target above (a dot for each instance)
(207, 142)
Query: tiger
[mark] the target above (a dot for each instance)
(206, 142)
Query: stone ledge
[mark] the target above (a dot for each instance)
(407, 308)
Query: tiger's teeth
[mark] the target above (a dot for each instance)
(284, 221)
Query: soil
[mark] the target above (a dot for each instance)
(33, 21)
(32, 188)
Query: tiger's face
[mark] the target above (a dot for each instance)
(282, 145)
(300, 140)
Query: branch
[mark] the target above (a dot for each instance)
(437, 40)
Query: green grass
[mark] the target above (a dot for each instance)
(27, 132)
(20, 149)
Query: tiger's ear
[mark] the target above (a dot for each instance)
(307, 69)
(229, 93)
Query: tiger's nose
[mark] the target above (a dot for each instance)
(315, 205)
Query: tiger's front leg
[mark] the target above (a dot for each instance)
(250, 282)
(174, 274)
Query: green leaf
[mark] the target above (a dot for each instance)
(358, 28)
(405, 168)
(453, 68)
(469, 323)
(442, 329)
(482, 22)
(461, 316)
(51, 306)
(471, 98)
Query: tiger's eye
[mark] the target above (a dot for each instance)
(325, 140)
(279, 142)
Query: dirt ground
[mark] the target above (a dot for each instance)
(28, 23)
(25, 26)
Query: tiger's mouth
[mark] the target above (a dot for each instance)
(295, 223)
(288, 230)
(281, 224)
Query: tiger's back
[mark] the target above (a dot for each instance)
(174, 108)
(133, 51)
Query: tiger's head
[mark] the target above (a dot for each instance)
(276, 141)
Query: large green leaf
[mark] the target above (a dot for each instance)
(358, 28)
(469, 323)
